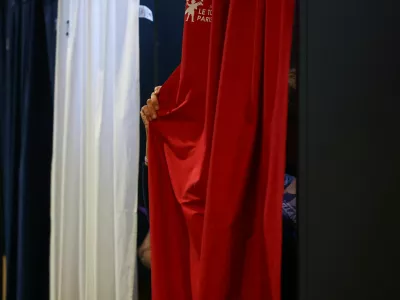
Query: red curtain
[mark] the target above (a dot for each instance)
(217, 155)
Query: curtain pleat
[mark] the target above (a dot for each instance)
(27, 45)
(96, 151)
(217, 155)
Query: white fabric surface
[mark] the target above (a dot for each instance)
(96, 151)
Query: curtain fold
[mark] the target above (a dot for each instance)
(217, 155)
(26, 141)
(2, 116)
(96, 151)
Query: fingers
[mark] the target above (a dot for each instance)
(153, 106)
(157, 90)
(154, 101)
(144, 116)
(149, 111)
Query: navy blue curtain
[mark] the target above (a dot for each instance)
(28, 51)
(2, 97)
(169, 34)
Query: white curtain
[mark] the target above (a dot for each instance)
(96, 151)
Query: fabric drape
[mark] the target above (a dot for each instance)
(26, 115)
(217, 155)
(96, 151)
(2, 108)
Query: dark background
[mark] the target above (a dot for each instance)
(160, 54)
(349, 150)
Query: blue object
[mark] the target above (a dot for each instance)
(27, 63)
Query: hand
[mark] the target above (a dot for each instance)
(145, 252)
(149, 111)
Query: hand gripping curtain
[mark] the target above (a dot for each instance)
(217, 155)
(96, 150)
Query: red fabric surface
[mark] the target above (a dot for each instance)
(217, 155)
